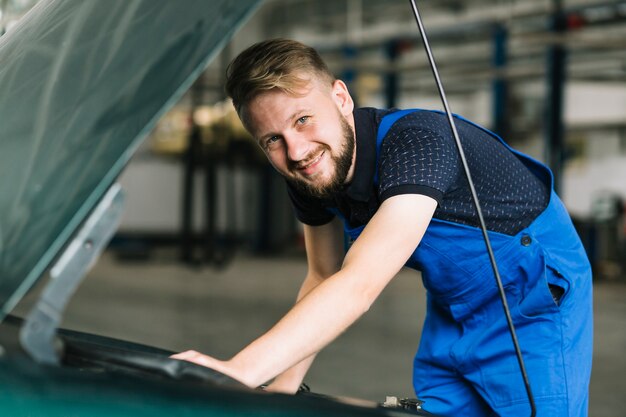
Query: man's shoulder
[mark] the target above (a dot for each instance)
(422, 119)
(420, 128)
(416, 118)
(432, 127)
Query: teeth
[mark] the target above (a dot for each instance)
(313, 161)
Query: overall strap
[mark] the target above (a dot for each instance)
(385, 124)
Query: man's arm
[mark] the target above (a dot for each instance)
(324, 249)
(332, 306)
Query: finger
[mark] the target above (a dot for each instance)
(185, 355)
(198, 358)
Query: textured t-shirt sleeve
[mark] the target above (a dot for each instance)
(416, 160)
(308, 210)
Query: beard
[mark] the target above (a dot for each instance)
(342, 163)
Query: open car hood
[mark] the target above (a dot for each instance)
(82, 83)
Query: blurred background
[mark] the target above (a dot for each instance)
(209, 254)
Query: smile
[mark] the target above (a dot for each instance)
(310, 167)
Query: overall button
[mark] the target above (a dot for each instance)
(526, 240)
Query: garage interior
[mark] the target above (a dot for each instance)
(209, 254)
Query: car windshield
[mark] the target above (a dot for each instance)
(82, 84)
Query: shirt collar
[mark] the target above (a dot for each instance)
(365, 164)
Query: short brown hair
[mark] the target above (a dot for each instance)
(273, 64)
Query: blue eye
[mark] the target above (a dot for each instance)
(303, 119)
(272, 140)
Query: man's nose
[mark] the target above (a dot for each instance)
(298, 147)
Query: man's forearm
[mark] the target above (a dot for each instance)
(289, 381)
(310, 325)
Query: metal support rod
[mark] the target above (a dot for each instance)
(38, 333)
(483, 228)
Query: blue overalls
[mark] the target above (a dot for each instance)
(465, 364)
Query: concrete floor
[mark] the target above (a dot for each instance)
(168, 305)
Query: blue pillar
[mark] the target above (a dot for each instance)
(556, 74)
(392, 52)
(349, 74)
(500, 85)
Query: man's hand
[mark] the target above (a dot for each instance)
(279, 385)
(224, 367)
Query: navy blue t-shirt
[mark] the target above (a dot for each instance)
(418, 156)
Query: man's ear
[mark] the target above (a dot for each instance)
(342, 98)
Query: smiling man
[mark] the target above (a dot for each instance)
(392, 180)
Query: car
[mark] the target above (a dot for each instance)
(83, 83)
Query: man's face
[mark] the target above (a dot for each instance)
(308, 138)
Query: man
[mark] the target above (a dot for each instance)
(395, 182)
